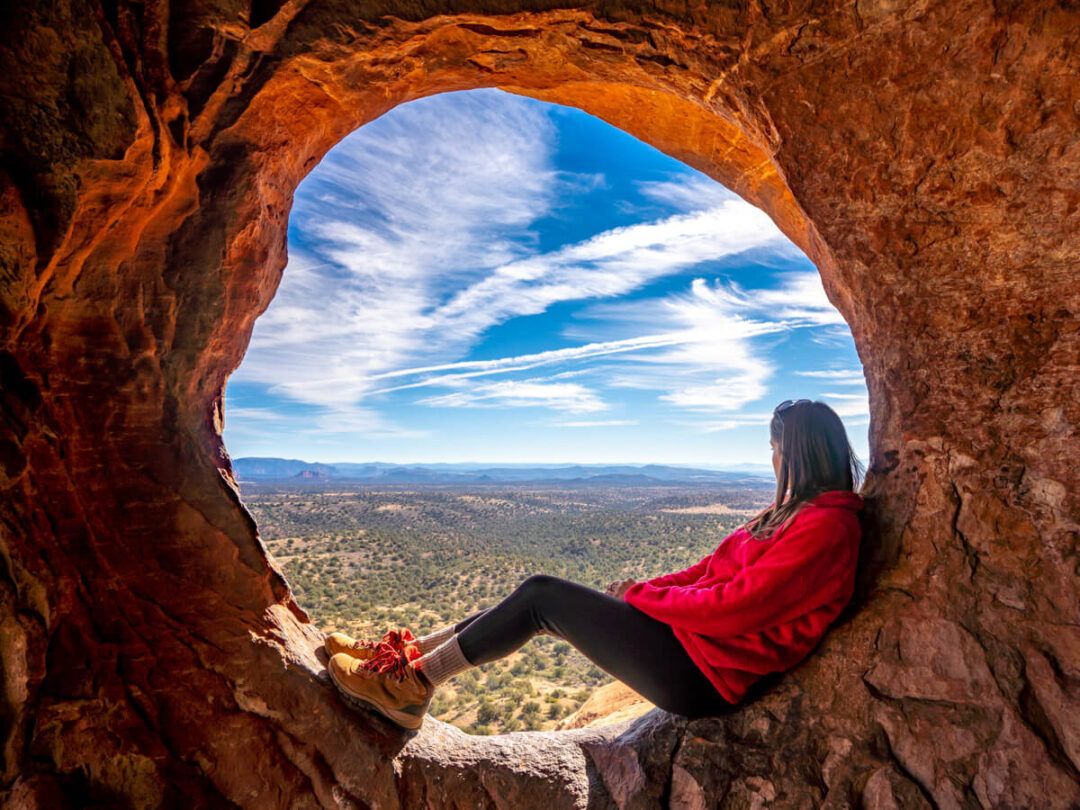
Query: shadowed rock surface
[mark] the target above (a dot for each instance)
(924, 155)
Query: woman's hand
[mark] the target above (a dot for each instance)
(618, 587)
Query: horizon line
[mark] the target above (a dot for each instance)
(698, 465)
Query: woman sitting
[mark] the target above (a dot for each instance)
(693, 641)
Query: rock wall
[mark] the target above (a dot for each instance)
(924, 154)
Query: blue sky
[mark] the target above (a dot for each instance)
(478, 276)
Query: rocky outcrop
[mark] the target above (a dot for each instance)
(923, 154)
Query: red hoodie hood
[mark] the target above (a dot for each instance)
(841, 498)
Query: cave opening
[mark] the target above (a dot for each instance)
(922, 156)
(504, 318)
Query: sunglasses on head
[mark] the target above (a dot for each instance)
(788, 403)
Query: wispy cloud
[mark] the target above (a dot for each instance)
(693, 194)
(706, 362)
(831, 338)
(354, 420)
(427, 229)
(559, 396)
(478, 368)
(428, 245)
(716, 366)
(733, 422)
(389, 224)
(849, 404)
(608, 264)
(837, 376)
(597, 423)
(256, 414)
(799, 295)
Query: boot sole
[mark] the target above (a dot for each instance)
(400, 718)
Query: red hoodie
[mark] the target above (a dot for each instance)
(758, 606)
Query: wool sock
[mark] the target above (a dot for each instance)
(442, 663)
(432, 640)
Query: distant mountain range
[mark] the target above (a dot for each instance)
(376, 472)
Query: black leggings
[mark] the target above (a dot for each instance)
(639, 650)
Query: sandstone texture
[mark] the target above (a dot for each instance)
(608, 704)
(926, 157)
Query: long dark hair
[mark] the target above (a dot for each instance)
(815, 457)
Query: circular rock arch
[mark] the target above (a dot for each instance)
(923, 155)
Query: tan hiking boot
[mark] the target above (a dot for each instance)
(363, 648)
(356, 647)
(387, 682)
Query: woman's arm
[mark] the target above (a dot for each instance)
(619, 587)
(812, 564)
(684, 577)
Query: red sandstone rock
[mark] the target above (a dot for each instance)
(611, 703)
(924, 155)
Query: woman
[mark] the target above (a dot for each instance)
(693, 641)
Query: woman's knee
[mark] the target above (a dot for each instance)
(540, 583)
(544, 596)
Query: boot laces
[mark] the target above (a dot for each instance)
(364, 644)
(393, 655)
